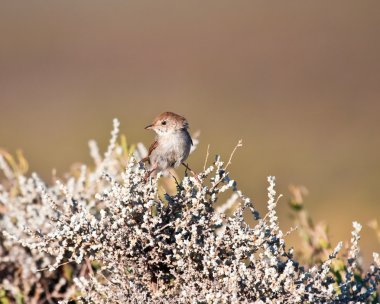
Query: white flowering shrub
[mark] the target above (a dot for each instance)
(103, 235)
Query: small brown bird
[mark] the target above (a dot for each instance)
(172, 144)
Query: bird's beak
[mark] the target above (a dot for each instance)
(148, 127)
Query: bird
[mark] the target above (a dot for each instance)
(172, 144)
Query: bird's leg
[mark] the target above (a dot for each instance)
(193, 173)
(186, 168)
(175, 179)
(149, 173)
(145, 159)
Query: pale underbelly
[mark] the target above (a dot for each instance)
(171, 157)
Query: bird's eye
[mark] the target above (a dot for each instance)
(163, 123)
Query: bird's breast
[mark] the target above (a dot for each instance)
(171, 150)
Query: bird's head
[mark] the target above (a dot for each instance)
(167, 123)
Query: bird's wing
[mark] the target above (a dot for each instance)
(151, 148)
(189, 136)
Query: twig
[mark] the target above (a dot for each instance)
(89, 266)
(207, 154)
(220, 180)
(194, 174)
(46, 268)
(239, 144)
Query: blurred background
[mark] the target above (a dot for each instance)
(298, 81)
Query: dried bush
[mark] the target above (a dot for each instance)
(104, 236)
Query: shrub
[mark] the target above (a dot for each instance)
(103, 235)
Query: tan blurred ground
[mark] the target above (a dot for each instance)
(298, 81)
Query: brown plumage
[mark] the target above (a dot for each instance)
(172, 143)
